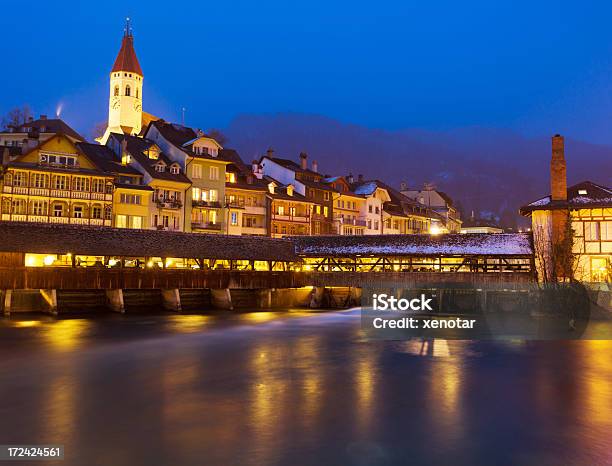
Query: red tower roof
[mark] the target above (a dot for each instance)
(126, 59)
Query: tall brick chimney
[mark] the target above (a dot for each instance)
(558, 170)
(559, 266)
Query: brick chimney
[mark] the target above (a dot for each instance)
(558, 170)
(315, 166)
(304, 161)
(350, 178)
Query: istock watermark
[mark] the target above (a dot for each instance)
(474, 311)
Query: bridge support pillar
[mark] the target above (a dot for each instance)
(355, 296)
(317, 296)
(483, 301)
(221, 299)
(265, 299)
(50, 297)
(7, 298)
(171, 299)
(114, 299)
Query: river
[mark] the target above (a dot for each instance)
(297, 388)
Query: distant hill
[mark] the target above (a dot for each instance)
(483, 169)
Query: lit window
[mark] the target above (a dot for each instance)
(175, 170)
(196, 171)
(78, 212)
(582, 192)
(214, 173)
(121, 221)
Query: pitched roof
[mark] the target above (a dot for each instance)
(104, 158)
(47, 125)
(291, 165)
(126, 58)
(582, 195)
(503, 244)
(96, 241)
(179, 136)
(136, 147)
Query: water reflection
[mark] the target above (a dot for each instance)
(299, 389)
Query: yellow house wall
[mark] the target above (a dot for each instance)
(205, 182)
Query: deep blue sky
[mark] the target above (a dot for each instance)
(536, 67)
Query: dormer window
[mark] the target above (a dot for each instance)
(271, 188)
(230, 177)
(582, 192)
(160, 168)
(126, 159)
(289, 190)
(153, 153)
(175, 169)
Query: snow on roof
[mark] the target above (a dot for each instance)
(501, 244)
(366, 188)
(540, 202)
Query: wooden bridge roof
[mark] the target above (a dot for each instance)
(514, 244)
(96, 241)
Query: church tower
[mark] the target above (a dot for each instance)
(125, 100)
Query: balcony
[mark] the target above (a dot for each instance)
(210, 204)
(235, 203)
(206, 226)
(354, 221)
(168, 203)
(291, 218)
(55, 220)
(255, 209)
(253, 230)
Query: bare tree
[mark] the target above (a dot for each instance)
(555, 259)
(218, 136)
(16, 116)
(98, 130)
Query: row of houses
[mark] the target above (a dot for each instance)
(177, 178)
(147, 173)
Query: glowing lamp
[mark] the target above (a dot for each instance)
(434, 230)
(49, 260)
(112, 262)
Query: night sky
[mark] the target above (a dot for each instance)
(531, 67)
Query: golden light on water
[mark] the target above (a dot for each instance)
(66, 334)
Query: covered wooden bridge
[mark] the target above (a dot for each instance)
(458, 253)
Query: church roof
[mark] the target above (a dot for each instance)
(126, 59)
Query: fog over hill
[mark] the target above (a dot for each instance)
(483, 169)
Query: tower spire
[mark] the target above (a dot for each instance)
(128, 27)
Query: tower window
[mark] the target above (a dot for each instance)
(116, 91)
(128, 91)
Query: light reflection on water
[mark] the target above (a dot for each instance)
(296, 388)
